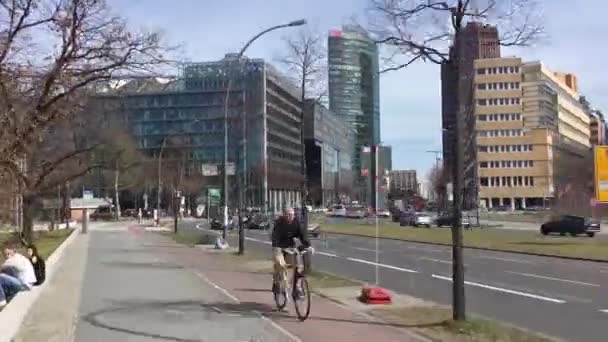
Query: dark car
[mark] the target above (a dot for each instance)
(448, 220)
(217, 224)
(407, 218)
(259, 221)
(570, 224)
(105, 214)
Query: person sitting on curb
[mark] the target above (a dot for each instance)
(38, 264)
(16, 274)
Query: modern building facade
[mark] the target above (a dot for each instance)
(597, 124)
(529, 124)
(330, 151)
(264, 126)
(354, 87)
(476, 41)
(403, 180)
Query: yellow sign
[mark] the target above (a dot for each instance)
(601, 174)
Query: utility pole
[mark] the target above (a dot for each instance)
(158, 191)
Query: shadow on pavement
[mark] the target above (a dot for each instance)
(145, 265)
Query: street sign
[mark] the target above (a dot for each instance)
(601, 174)
(87, 194)
(231, 168)
(215, 195)
(209, 169)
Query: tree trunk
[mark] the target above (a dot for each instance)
(116, 193)
(27, 235)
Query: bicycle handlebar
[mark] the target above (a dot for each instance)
(293, 250)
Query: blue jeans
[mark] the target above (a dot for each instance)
(9, 286)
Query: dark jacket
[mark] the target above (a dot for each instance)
(284, 233)
(39, 269)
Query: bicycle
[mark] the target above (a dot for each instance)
(282, 292)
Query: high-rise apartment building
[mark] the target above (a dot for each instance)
(598, 123)
(529, 124)
(477, 41)
(354, 88)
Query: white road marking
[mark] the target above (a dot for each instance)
(500, 289)
(507, 259)
(327, 254)
(260, 241)
(217, 287)
(231, 296)
(551, 278)
(436, 260)
(366, 249)
(381, 265)
(603, 310)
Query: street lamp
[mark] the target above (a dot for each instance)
(226, 101)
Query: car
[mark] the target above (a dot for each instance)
(571, 224)
(314, 230)
(422, 219)
(383, 213)
(104, 213)
(356, 211)
(338, 210)
(448, 220)
(407, 218)
(259, 221)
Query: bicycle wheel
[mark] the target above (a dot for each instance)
(280, 294)
(301, 300)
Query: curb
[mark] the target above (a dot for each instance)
(477, 248)
(13, 314)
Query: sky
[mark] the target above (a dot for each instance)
(410, 99)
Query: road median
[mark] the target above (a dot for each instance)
(523, 242)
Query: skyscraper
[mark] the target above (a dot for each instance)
(354, 93)
(480, 41)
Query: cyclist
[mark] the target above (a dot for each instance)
(286, 229)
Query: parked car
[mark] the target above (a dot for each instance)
(338, 210)
(217, 224)
(448, 220)
(422, 219)
(407, 218)
(570, 224)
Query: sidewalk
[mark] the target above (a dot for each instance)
(250, 290)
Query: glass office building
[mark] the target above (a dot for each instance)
(264, 125)
(354, 88)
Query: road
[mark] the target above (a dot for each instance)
(136, 289)
(562, 298)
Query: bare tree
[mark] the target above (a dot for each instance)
(431, 31)
(439, 178)
(51, 53)
(306, 61)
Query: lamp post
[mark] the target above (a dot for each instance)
(226, 102)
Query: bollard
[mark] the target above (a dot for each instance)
(85, 221)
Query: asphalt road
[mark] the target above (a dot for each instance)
(562, 298)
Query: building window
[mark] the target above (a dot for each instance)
(483, 181)
(482, 117)
(481, 102)
(481, 71)
(483, 165)
(481, 86)
(483, 148)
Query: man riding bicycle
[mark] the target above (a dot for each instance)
(286, 229)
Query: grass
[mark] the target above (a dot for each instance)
(505, 240)
(435, 323)
(46, 242)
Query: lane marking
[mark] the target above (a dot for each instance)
(500, 289)
(507, 259)
(327, 254)
(366, 249)
(260, 241)
(381, 265)
(217, 287)
(603, 310)
(436, 260)
(531, 275)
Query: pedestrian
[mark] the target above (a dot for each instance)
(18, 266)
(38, 264)
(140, 216)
